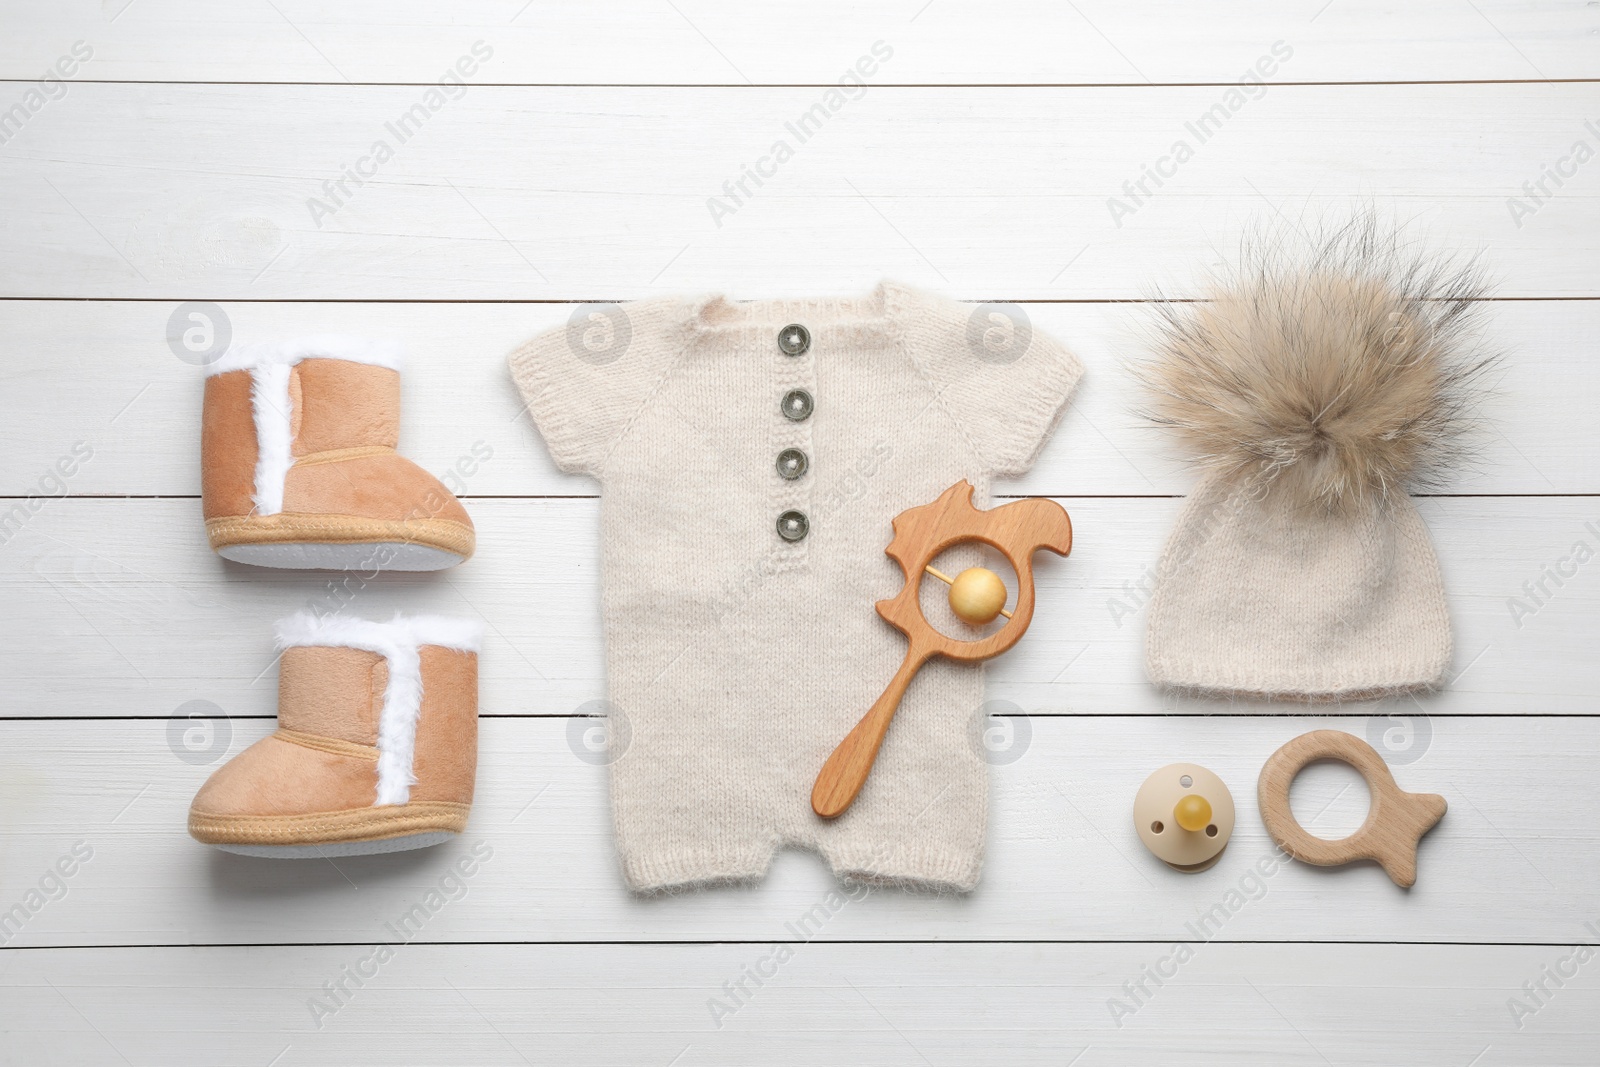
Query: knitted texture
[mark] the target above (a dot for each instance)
(1258, 594)
(737, 660)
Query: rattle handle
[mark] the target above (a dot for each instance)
(846, 771)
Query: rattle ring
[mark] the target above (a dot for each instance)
(1395, 822)
(1017, 530)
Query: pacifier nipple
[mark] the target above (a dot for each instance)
(1193, 813)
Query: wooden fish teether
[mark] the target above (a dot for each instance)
(1395, 822)
(1017, 530)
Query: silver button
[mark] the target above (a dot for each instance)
(792, 463)
(794, 339)
(796, 405)
(793, 526)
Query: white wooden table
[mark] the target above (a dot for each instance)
(179, 162)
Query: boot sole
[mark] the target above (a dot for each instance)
(356, 556)
(359, 831)
(346, 848)
(340, 542)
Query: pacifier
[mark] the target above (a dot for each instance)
(1184, 814)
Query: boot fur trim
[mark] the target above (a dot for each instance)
(398, 642)
(269, 365)
(273, 410)
(379, 353)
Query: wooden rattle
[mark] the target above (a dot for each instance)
(1395, 822)
(1017, 530)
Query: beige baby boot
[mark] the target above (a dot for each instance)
(298, 463)
(376, 748)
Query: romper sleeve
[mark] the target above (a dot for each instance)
(1001, 379)
(584, 381)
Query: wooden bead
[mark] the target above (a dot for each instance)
(977, 595)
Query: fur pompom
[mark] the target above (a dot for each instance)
(1341, 370)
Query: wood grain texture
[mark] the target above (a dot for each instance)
(721, 42)
(895, 1005)
(102, 373)
(1515, 862)
(190, 192)
(1392, 829)
(127, 612)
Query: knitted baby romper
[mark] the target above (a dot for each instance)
(749, 474)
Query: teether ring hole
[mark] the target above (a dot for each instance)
(1329, 799)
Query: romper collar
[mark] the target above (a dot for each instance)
(850, 318)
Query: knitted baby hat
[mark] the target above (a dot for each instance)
(1318, 384)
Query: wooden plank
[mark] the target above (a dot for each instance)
(175, 191)
(102, 373)
(715, 41)
(1267, 1005)
(1513, 860)
(137, 197)
(120, 609)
